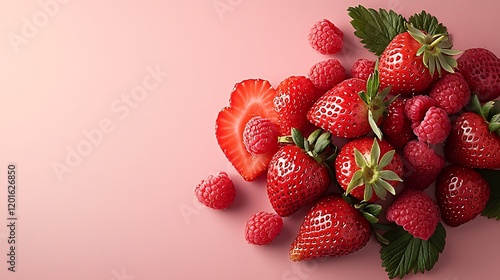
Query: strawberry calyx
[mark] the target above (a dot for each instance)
(315, 145)
(489, 111)
(374, 98)
(372, 175)
(436, 50)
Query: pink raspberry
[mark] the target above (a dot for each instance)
(416, 212)
(326, 74)
(217, 191)
(425, 165)
(435, 126)
(362, 68)
(262, 228)
(260, 135)
(325, 37)
(451, 93)
(416, 107)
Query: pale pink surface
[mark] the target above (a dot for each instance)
(121, 212)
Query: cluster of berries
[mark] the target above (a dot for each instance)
(394, 114)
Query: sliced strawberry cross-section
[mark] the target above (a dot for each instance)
(249, 98)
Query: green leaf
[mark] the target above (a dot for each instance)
(314, 136)
(373, 209)
(492, 209)
(389, 175)
(376, 29)
(386, 159)
(374, 126)
(405, 253)
(427, 23)
(371, 218)
(374, 153)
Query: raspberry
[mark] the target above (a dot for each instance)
(425, 165)
(416, 107)
(416, 212)
(326, 74)
(217, 191)
(325, 37)
(262, 228)
(260, 135)
(396, 126)
(362, 68)
(435, 126)
(451, 93)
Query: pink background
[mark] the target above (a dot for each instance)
(125, 209)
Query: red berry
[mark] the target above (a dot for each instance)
(415, 212)
(461, 194)
(260, 135)
(425, 165)
(325, 37)
(294, 97)
(326, 74)
(481, 69)
(217, 191)
(416, 107)
(435, 126)
(262, 228)
(362, 68)
(451, 93)
(396, 126)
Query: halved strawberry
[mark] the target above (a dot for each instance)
(249, 98)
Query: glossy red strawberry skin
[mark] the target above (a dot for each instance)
(249, 98)
(294, 179)
(345, 163)
(461, 194)
(396, 126)
(471, 144)
(331, 228)
(481, 69)
(294, 97)
(341, 111)
(401, 68)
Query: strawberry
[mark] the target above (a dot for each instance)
(249, 98)
(360, 170)
(409, 63)
(297, 173)
(351, 109)
(294, 96)
(461, 194)
(331, 228)
(481, 69)
(396, 126)
(474, 140)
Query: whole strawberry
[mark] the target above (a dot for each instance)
(368, 168)
(481, 69)
(461, 194)
(249, 98)
(415, 212)
(216, 192)
(409, 63)
(351, 109)
(396, 126)
(331, 228)
(294, 97)
(297, 173)
(474, 140)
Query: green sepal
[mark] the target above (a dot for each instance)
(313, 137)
(298, 138)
